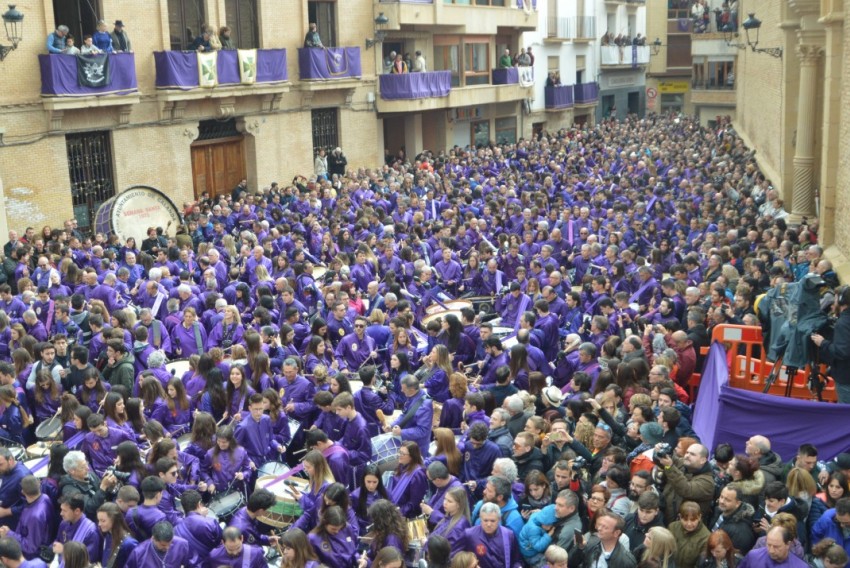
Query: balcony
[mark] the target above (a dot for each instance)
(415, 85)
(559, 97)
(577, 29)
(329, 64)
(61, 89)
(586, 93)
(719, 91)
(429, 98)
(713, 45)
(461, 16)
(624, 56)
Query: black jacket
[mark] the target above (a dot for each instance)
(637, 532)
(529, 462)
(586, 557)
(739, 527)
(836, 351)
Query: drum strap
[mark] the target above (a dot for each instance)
(523, 304)
(506, 545)
(199, 342)
(157, 303)
(411, 412)
(140, 530)
(50, 310)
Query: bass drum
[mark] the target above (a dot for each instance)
(178, 367)
(134, 210)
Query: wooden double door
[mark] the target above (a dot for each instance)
(218, 165)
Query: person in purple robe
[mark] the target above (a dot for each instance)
(142, 518)
(452, 526)
(368, 401)
(228, 331)
(335, 454)
(512, 305)
(37, 519)
(440, 477)
(356, 348)
(76, 527)
(355, 433)
(417, 417)
(226, 465)
(297, 394)
(189, 337)
(493, 545)
(234, 553)
(203, 533)
(370, 489)
(334, 540)
(116, 541)
(496, 357)
(246, 519)
(98, 444)
(163, 549)
(408, 484)
(239, 392)
(255, 434)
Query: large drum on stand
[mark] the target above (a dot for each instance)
(131, 212)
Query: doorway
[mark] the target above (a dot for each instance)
(218, 165)
(634, 103)
(324, 15)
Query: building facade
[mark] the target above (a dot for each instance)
(623, 57)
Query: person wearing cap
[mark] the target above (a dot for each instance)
(121, 39)
(640, 459)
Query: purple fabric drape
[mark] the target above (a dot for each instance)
(560, 96)
(509, 76)
(59, 76)
(519, 4)
(416, 85)
(586, 92)
(329, 63)
(179, 69)
(727, 414)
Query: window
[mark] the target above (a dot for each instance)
(679, 50)
(506, 130)
(553, 63)
(185, 18)
(714, 74)
(80, 16)
(324, 15)
(477, 64)
(480, 133)
(90, 170)
(242, 18)
(446, 56)
(672, 102)
(325, 129)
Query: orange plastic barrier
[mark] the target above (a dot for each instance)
(749, 368)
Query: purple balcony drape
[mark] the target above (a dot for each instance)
(329, 63)
(509, 76)
(560, 96)
(59, 76)
(586, 92)
(179, 69)
(416, 85)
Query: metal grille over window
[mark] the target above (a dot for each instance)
(90, 170)
(213, 129)
(325, 129)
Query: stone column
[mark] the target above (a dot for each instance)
(803, 195)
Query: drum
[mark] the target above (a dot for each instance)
(509, 342)
(131, 212)
(451, 305)
(178, 367)
(49, 429)
(272, 468)
(287, 509)
(40, 449)
(294, 427)
(439, 315)
(356, 385)
(319, 272)
(184, 441)
(502, 332)
(38, 472)
(385, 451)
(18, 452)
(225, 505)
(417, 530)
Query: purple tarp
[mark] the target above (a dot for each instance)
(586, 92)
(560, 96)
(727, 414)
(59, 76)
(509, 76)
(179, 69)
(329, 63)
(415, 85)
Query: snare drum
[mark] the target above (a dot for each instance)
(509, 342)
(287, 509)
(225, 505)
(502, 332)
(385, 451)
(40, 449)
(49, 428)
(294, 428)
(453, 305)
(272, 468)
(319, 272)
(184, 441)
(178, 367)
(439, 315)
(38, 472)
(18, 452)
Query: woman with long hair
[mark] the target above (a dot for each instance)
(296, 550)
(339, 384)
(370, 489)
(238, 390)
(273, 406)
(320, 476)
(203, 435)
(660, 545)
(333, 540)
(456, 519)
(228, 331)
(538, 494)
(719, 552)
(75, 555)
(389, 528)
(403, 343)
(456, 341)
(318, 352)
(835, 488)
(179, 414)
(451, 415)
(260, 373)
(436, 381)
(747, 477)
(447, 451)
(69, 405)
(214, 400)
(226, 464)
(14, 418)
(46, 396)
(336, 495)
(153, 397)
(519, 366)
(115, 412)
(408, 482)
(399, 368)
(55, 471)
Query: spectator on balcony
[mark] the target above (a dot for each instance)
(399, 66)
(56, 40)
(70, 48)
(225, 38)
(550, 80)
(523, 60)
(530, 56)
(320, 165)
(120, 38)
(88, 47)
(606, 39)
(312, 38)
(101, 38)
(408, 61)
(505, 61)
(202, 42)
(419, 65)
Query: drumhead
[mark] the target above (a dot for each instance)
(131, 212)
(178, 367)
(428, 319)
(272, 468)
(49, 428)
(227, 504)
(453, 305)
(39, 473)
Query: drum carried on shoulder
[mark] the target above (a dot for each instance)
(286, 509)
(385, 451)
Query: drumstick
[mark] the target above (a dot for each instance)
(380, 414)
(223, 418)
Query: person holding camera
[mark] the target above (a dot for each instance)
(687, 480)
(836, 352)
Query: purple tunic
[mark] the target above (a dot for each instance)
(455, 535)
(336, 551)
(493, 551)
(35, 526)
(185, 341)
(202, 533)
(300, 392)
(249, 557)
(99, 450)
(407, 490)
(147, 556)
(221, 471)
(436, 500)
(258, 439)
(83, 531)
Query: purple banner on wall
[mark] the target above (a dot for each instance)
(179, 69)
(727, 414)
(59, 76)
(329, 63)
(415, 85)
(559, 96)
(586, 92)
(509, 76)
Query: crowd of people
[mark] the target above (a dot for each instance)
(494, 342)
